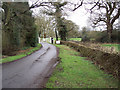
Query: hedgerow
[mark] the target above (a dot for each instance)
(109, 62)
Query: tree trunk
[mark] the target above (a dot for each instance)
(63, 33)
(63, 37)
(109, 31)
(56, 35)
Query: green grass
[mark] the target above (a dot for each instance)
(55, 39)
(77, 72)
(73, 39)
(76, 39)
(13, 58)
(117, 46)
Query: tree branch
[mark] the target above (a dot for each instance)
(95, 5)
(112, 8)
(33, 6)
(40, 4)
(116, 16)
(78, 6)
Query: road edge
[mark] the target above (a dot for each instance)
(53, 63)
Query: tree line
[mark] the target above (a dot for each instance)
(103, 13)
(21, 29)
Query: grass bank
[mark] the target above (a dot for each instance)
(21, 54)
(77, 72)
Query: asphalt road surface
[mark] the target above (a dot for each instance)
(29, 72)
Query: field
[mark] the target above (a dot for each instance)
(78, 72)
(117, 46)
(72, 39)
(75, 39)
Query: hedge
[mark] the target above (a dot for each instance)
(106, 61)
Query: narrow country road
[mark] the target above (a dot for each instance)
(29, 72)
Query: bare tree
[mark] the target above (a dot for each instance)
(44, 25)
(103, 12)
(107, 13)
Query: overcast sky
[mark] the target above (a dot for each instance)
(79, 16)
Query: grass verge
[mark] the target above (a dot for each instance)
(77, 72)
(21, 55)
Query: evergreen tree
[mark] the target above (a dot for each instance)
(60, 25)
(18, 26)
(59, 20)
